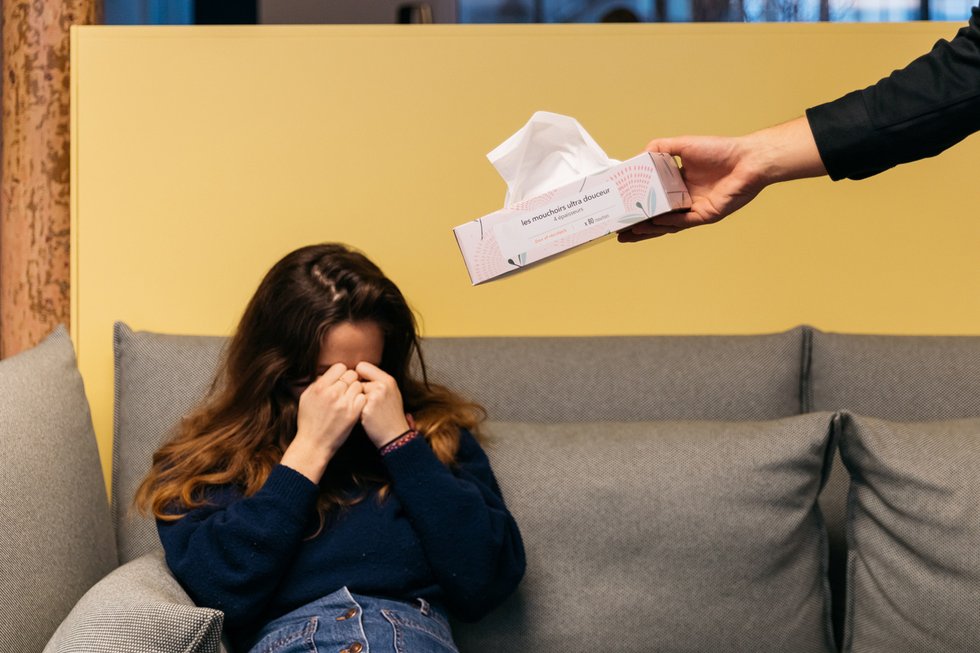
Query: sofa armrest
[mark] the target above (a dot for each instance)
(139, 607)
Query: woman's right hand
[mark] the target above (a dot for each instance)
(328, 410)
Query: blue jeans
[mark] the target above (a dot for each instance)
(352, 623)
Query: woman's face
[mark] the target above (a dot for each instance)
(351, 343)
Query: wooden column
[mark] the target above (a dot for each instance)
(34, 186)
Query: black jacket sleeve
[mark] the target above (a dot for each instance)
(915, 112)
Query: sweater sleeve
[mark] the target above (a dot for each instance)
(230, 554)
(916, 112)
(469, 537)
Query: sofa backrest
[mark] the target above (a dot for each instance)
(57, 539)
(625, 378)
(900, 378)
(160, 377)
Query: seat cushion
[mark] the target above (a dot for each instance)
(56, 540)
(913, 535)
(664, 536)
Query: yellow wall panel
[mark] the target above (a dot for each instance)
(201, 155)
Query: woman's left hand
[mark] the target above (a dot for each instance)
(383, 416)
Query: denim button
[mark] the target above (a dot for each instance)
(347, 615)
(356, 647)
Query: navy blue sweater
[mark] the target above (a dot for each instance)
(441, 534)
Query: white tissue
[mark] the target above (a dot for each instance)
(551, 150)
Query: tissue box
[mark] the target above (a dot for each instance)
(513, 238)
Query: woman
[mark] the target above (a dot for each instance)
(323, 496)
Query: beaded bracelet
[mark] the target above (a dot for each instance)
(400, 441)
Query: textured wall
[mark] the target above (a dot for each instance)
(34, 202)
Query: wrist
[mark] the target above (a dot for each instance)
(306, 459)
(782, 153)
(398, 441)
(383, 436)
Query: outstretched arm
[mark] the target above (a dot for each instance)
(916, 112)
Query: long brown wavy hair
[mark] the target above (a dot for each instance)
(241, 428)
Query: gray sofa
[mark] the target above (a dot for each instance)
(799, 491)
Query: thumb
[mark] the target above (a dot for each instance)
(673, 145)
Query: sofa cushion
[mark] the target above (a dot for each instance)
(625, 378)
(56, 540)
(892, 377)
(664, 536)
(138, 607)
(160, 377)
(913, 535)
(896, 377)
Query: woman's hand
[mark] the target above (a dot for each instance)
(328, 410)
(383, 416)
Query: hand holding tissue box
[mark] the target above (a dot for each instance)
(562, 192)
